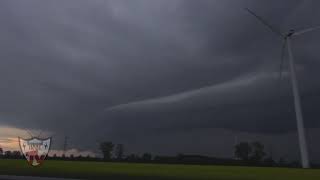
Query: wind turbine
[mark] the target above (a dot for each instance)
(287, 38)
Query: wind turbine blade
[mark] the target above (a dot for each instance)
(306, 30)
(282, 57)
(264, 22)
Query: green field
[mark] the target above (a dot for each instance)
(102, 170)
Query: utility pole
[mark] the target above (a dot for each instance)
(234, 146)
(271, 151)
(65, 145)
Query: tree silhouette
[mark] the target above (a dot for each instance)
(146, 157)
(8, 154)
(133, 157)
(16, 154)
(257, 151)
(243, 150)
(106, 149)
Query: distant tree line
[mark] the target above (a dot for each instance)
(246, 154)
(10, 154)
(73, 158)
(250, 152)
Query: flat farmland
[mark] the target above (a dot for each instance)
(129, 171)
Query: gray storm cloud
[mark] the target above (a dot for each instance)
(120, 68)
(225, 93)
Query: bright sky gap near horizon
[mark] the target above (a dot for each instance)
(158, 76)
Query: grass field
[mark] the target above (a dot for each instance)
(123, 171)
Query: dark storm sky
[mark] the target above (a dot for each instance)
(144, 72)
